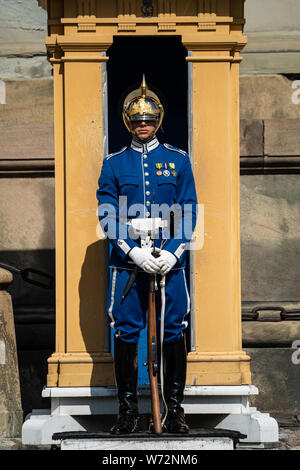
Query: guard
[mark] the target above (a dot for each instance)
(138, 186)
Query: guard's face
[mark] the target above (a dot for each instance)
(143, 129)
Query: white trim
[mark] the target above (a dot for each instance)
(188, 299)
(179, 250)
(144, 189)
(131, 269)
(190, 390)
(162, 332)
(2, 92)
(124, 246)
(112, 298)
(152, 144)
(149, 146)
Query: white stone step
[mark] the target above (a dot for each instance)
(196, 439)
(161, 444)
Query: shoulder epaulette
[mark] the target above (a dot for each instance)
(115, 153)
(174, 149)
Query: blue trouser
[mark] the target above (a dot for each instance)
(129, 317)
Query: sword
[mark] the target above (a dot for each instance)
(130, 282)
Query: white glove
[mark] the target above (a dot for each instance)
(166, 261)
(144, 260)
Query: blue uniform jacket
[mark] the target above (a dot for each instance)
(146, 174)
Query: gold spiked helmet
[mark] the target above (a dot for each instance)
(142, 104)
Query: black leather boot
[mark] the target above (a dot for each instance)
(125, 363)
(174, 382)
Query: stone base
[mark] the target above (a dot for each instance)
(11, 423)
(88, 409)
(193, 443)
(84, 401)
(259, 427)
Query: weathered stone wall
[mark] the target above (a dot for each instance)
(27, 185)
(273, 30)
(26, 120)
(23, 27)
(11, 414)
(272, 27)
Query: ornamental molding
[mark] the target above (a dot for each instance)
(202, 24)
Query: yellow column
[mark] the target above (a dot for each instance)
(80, 358)
(218, 358)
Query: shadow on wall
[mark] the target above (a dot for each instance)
(29, 224)
(34, 317)
(93, 287)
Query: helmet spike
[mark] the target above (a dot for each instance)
(144, 87)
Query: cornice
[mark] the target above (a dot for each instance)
(168, 17)
(91, 46)
(215, 42)
(154, 19)
(201, 29)
(100, 43)
(84, 42)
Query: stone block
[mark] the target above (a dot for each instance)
(251, 137)
(11, 413)
(282, 137)
(165, 444)
(26, 120)
(26, 141)
(270, 63)
(272, 29)
(276, 375)
(270, 245)
(272, 15)
(271, 333)
(23, 27)
(27, 234)
(28, 211)
(31, 67)
(28, 101)
(267, 97)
